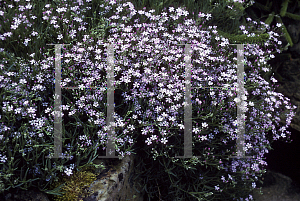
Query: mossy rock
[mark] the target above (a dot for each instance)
(74, 186)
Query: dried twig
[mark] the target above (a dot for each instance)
(158, 192)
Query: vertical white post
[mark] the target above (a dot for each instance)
(110, 150)
(240, 103)
(188, 105)
(57, 106)
(188, 153)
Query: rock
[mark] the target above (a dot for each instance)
(290, 72)
(284, 157)
(115, 182)
(277, 187)
(296, 49)
(294, 31)
(22, 195)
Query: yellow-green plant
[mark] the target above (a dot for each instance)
(74, 186)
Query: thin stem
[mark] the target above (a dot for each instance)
(158, 191)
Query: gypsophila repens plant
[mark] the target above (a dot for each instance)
(149, 96)
(156, 78)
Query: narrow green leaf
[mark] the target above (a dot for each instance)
(286, 33)
(56, 191)
(263, 7)
(269, 20)
(169, 172)
(277, 76)
(269, 4)
(293, 16)
(283, 8)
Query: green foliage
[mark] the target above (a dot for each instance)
(282, 9)
(168, 178)
(244, 39)
(285, 31)
(292, 16)
(284, 6)
(270, 18)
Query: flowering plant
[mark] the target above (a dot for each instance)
(26, 88)
(163, 73)
(150, 73)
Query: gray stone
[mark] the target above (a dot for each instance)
(289, 70)
(277, 187)
(289, 87)
(22, 195)
(114, 183)
(294, 32)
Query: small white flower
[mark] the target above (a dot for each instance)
(278, 24)
(53, 22)
(172, 118)
(196, 130)
(160, 118)
(208, 16)
(245, 32)
(28, 6)
(237, 100)
(273, 79)
(68, 172)
(119, 9)
(201, 14)
(131, 127)
(203, 138)
(181, 126)
(154, 137)
(112, 2)
(18, 111)
(163, 132)
(163, 140)
(31, 110)
(204, 124)
(59, 37)
(148, 141)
